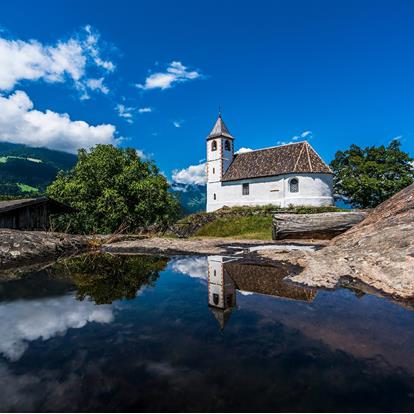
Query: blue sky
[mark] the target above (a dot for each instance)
(340, 69)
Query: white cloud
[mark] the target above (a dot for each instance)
(125, 112)
(22, 124)
(194, 174)
(191, 266)
(175, 73)
(302, 135)
(242, 150)
(284, 142)
(97, 85)
(31, 60)
(27, 320)
(144, 110)
(177, 124)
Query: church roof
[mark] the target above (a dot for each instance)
(284, 159)
(267, 280)
(222, 315)
(219, 129)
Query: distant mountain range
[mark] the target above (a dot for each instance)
(191, 196)
(27, 170)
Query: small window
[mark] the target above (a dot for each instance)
(214, 170)
(214, 146)
(215, 273)
(216, 298)
(227, 145)
(294, 185)
(214, 196)
(246, 189)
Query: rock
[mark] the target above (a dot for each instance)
(379, 251)
(19, 248)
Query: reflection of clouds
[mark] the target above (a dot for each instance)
(23, 321)
(191, 266)
(245, 293)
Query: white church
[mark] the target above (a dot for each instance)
(292, 174)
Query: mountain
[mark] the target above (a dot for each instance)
(27, 170)
(192, 197)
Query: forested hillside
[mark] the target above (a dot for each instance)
(26, 170)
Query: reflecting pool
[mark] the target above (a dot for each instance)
(144, 333)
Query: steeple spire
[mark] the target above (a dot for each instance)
(220, 129)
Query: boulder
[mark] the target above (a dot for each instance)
(379, 251)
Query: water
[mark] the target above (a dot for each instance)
(106, 333)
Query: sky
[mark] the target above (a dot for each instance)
(152, 75)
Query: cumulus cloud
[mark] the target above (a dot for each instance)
(191, 266)
(242, 150)
(25, 321)
(177, 124)
(194, 174)
(21, 123)
(175, 73)
(71, 59)
(144, 110)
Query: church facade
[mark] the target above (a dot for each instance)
(292, 174)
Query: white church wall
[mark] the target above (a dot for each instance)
(314, 190)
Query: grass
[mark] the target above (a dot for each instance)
(248, 227)
(27, 188)
(4, 159)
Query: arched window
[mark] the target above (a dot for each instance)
(294, 185)
(227, 145)
(214, 196)
(216, 298)
(214, 146)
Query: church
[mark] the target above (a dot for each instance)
(291, 174)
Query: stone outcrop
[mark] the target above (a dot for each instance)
(379, 251)
(19, 248)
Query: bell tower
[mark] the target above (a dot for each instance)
(220, 154)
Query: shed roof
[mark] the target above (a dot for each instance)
(284, 159)
(10, 205)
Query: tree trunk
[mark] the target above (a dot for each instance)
(314, 226)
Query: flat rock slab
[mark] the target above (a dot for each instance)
(193, 246)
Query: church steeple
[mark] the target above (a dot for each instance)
(220, 129)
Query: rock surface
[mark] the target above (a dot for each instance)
(379, 251)
(19, 248)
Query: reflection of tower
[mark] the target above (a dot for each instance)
(221, 290)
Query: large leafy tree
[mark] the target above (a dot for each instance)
(367, 177)
(112, 188)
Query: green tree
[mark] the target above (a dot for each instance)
(105, 278)
(369, 176)
(112, 188)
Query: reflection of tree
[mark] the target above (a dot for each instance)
(105, 278)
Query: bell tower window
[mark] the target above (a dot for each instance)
(227, 145)
(214, 146)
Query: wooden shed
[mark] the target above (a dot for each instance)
(30, 213)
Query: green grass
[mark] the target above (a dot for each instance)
(248, 227)
(27, 188)
(3, 160)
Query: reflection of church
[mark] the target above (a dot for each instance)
(226, 275)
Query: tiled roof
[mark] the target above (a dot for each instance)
(219, 129)
(284, 159)
(267, 280)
